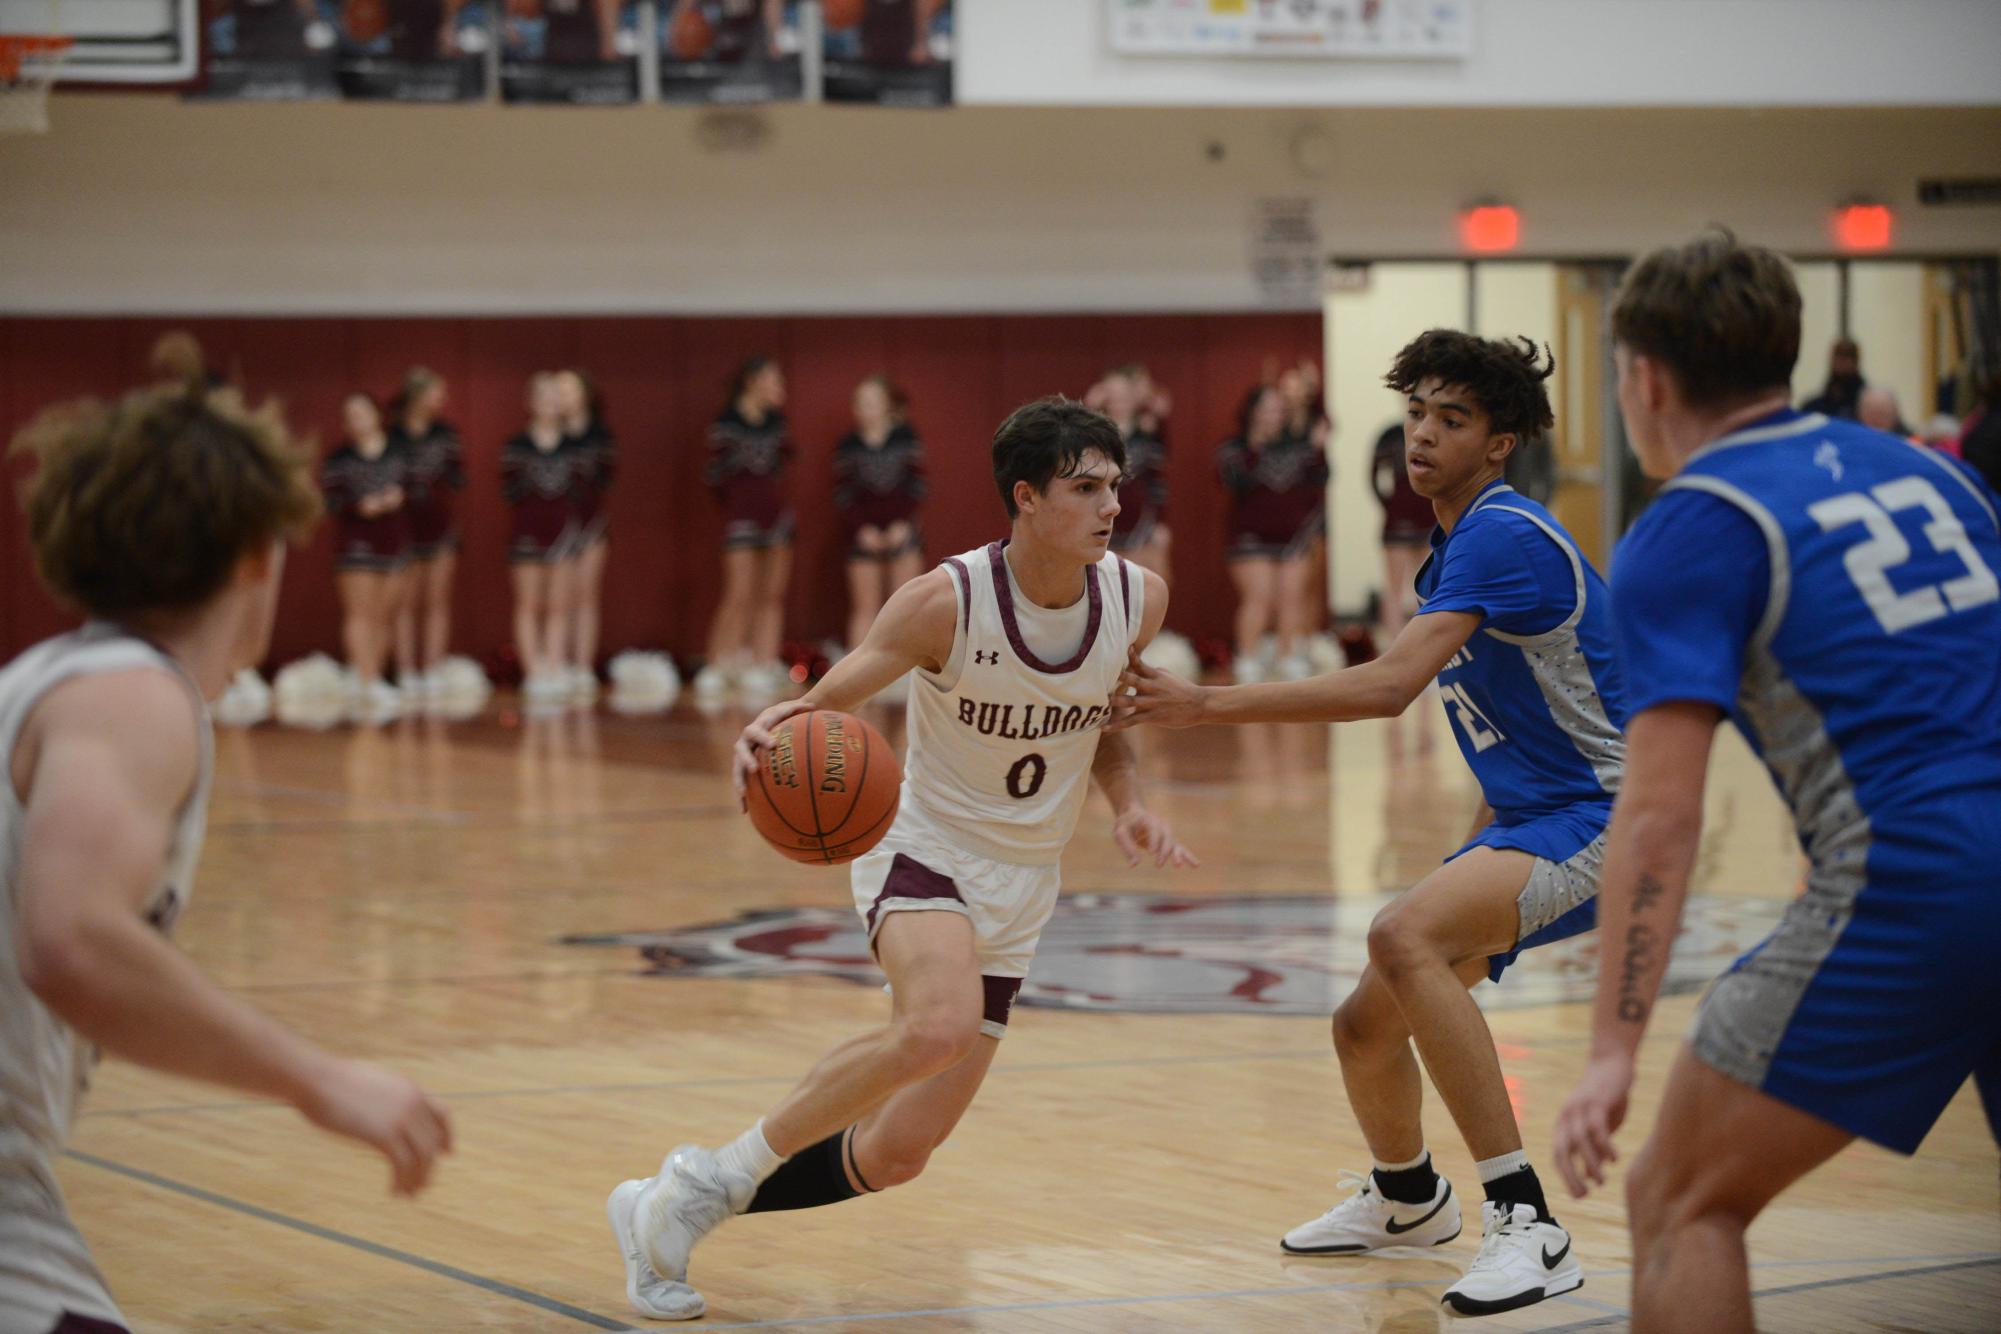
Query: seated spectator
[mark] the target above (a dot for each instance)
(1841, 396)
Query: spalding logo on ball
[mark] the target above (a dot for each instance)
(827, 789)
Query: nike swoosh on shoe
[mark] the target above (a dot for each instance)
(1395, 1228)
(1552, 1261)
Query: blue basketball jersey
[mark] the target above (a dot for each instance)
(1535, 696)
(1833, 589)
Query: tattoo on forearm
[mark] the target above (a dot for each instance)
(1641, 943)
(1647, 893)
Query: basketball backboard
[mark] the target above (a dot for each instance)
(117, 41)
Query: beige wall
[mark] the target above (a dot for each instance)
(141, 204)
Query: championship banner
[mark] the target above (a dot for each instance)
(730, 51)
(268, 50)
(1329, 29)
(414, 50)
(580, 52)
(892, 53)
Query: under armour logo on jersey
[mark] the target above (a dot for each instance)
(985, 658)
(1828, 457)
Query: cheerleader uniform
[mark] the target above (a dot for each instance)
(540, 485)
(746, 470)
(596, 456)
(879, 486)
(1279, 496)
(1407, 516)
(437, 469)
(378, 543)
(1142, 491)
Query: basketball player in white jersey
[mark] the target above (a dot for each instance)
(1016, 648)
(164, 520)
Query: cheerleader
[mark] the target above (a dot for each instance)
(437, 474)
(590, 440)
(538, 478)
(1306, 417)
(366, 484)
(1278, 487)
(1407, 524)
(878, 486)
(748, 453)
(1140, 531)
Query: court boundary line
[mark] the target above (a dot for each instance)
(375, 1248)
(1603, 1322)
(1845, 1281)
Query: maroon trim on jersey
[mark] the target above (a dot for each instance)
(908, 879)
(964, 577)
(1125, 593)
(1000, 994)
(1006, 596)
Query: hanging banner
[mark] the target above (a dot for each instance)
(730, 51)
(267, 51)
(892, 53)
(414, 50)
(580, 52)
(1330, 29)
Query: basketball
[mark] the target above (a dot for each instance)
(840, 14)
(827, 789)
(692, 34)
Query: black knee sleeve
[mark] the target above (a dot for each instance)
(808, 1179)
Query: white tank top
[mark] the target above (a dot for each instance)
(44, 1067)
(1001, 740)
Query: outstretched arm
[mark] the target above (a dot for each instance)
(1382, 688)
(915, 628)
(1649, 853)
(104, 767)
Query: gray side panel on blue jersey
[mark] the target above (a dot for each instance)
(1745, 1016)
(1563, 674)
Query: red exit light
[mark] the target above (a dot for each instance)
(1862, 227)
(1490, 228)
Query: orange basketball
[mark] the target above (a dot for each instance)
(839, 14)
(692, 34)
(827, 789)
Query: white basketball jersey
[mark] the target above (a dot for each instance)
(1001, 740)
(44, 1067)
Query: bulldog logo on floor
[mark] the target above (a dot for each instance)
(1241, 954)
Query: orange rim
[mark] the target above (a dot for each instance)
(15, 50)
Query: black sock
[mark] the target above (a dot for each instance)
(1410, 1185)
(1521, 1187)
(808, 1179)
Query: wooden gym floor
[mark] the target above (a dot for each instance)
(404, 893)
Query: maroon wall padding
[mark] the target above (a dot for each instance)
(663, 380)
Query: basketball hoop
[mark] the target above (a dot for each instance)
(28, 66)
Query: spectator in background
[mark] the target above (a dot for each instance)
(1980, 434)
(1140, 531)
(748, 454)
(436, 464)
(538, 478)
(365, 481)
(1278, 488)
(1942, 434)
(1877, 409)
(1407, 524)
(878, 486)
(1306, 416)
(589, 438)
(1841, 396)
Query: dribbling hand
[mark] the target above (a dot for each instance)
(385, 1111)
(757, 737)
(1139, 832)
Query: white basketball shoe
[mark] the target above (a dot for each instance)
(1522, 1261)
(1365, 1221)
(652, 1296)
(692, 1197)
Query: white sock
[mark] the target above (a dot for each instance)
(1493, 1169)
(749, 1154)
(1423, 1157)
